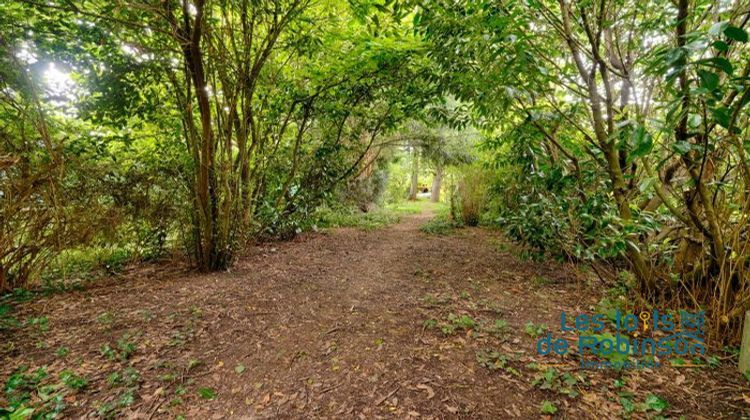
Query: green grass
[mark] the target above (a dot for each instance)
(352, 217)
(85, 264)
(417, 207)
(341, 216)
(441, 224)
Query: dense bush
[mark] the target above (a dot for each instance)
(470, 196)
(130, 141)
(622, 139)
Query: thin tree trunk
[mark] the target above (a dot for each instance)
(413, 188)
(436, 184)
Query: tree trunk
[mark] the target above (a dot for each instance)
(414, 187)
(436, 183)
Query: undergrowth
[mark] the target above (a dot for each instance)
(441, 224)
(341, 216)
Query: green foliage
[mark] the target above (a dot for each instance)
(584, 167)
(6, 320)
(438, 226)
(614, 357)
(534, 330)
(126, 347)
(651, 404)
(26, 394)
(350, 217)
(411, 207)
(493, 360)
(397, 187)
(127, 384)
(207, 393)
(87, 264)
(73, 381)
(17, 413)
(107, 352)
(457, 323)
(470, 196)
(561, 383)
(62, 351)
(499, 328)
(547, 408)
(40, 323)
(654, 403)
(288, 125)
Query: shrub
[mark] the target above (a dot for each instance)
(470, 193)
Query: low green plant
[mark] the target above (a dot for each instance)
(499, 328)
(26, 394)
(470, 195)
(126, 346)
(547, 407)
(106, 351)
(207, 393)
(6, 320)
(438, 226)
(41, 323)
(72, 380)
(17, 413)
(430, 323)
(327, 217)
(88, 263)
(552, 380)
(494, 360)
(457, 323)
(615, 357)
(533, 330)
(653, 403)
(128, 383)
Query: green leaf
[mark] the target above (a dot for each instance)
(207, 393)
(720, 63)
(642, 143)
(722, 116)
(735, 33)
(239, 368)
(548, 408)
(717, 28)
(20, 413)
(654, 402)
(681, 147)
(73, 381)
(627, 404)
(709, 80)
(721, 45)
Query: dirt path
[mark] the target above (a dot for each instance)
(344, 324)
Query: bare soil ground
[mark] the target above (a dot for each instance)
(346, 324)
